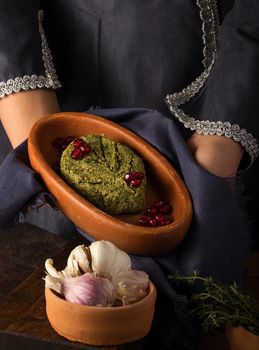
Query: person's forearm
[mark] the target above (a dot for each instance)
(20, 111)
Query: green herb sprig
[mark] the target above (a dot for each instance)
(218, 304)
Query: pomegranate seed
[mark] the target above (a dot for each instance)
(78, 143)
(153, 211)
(158, 204)
(135, 183)
(166, 222)
(153, 222)
(127, 177)
(69, 139)
(137, 175)
(160, 217)
(144, 221)
(62, 143)
(76, 154)
(134, 178)
(166, 209)
(63, 146)
(85, 149)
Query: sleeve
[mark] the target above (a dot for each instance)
(223, 100)
(25, 58)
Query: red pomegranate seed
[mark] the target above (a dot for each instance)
(153, 222)
(76, 154)
(85, 149)
(78, 143)
(153, 211)
(158, 204)
(166, 222)
(144, 221)
(134, 175)
(160, 217)
(165, 209)
(69, 139)
(127, 177)
(63, 146)
(62, 143)
(135, 183)
(137, 175)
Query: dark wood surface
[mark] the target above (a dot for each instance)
(23, 321)
(23, 247)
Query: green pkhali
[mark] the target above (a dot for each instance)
(99, 175)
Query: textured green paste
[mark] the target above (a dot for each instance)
(99, 175)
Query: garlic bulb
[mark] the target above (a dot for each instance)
(107, 259)
(89, 289)
(100, 275)
(131, 285)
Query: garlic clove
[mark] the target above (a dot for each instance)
(89, 289)
(80, 255)
(131, 285)
(51, 269)
(53, 283)
(71, 270)
(77, 263)
(107, 260)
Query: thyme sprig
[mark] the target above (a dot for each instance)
(218, 304)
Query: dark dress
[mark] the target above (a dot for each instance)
(131, 53)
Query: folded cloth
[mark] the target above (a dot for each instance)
(18, 183)
(216, 244)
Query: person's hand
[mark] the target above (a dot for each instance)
(218, 155)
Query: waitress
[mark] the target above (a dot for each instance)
(198, 56)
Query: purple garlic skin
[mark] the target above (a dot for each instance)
(89, 289)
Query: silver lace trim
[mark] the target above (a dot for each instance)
(210, 25)
(50, 80)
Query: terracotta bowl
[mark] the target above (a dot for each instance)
(241, 339)
(101, 325)
(163, 183)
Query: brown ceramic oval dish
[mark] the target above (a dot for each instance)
(101, 325)
(163, 183)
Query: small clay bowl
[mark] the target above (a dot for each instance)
(163, 183)
(241, 339)
(101, 325)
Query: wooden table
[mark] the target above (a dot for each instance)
(23, 321)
